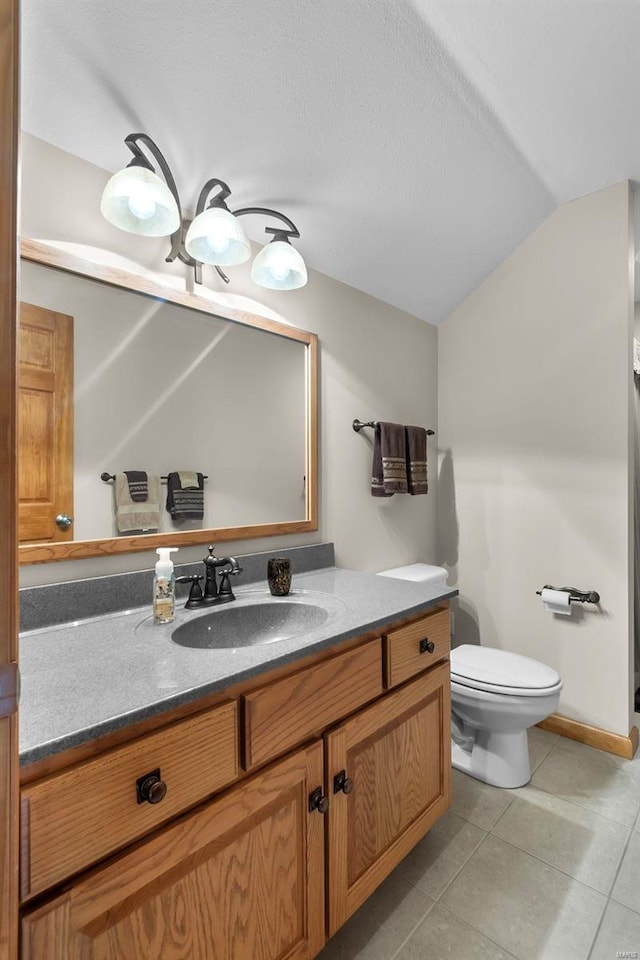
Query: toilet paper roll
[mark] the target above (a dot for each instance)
(556, 601)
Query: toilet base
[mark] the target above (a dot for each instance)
(501, 759)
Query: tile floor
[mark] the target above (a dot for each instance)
(547, 872)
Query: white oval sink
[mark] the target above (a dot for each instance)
(251, 625)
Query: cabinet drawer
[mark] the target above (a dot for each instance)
(414, 648)
(240, 878)
(76, 817)
(283, 714)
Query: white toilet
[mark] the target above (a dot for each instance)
(495, 697)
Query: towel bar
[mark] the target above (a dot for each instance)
(111, 476)
(359, 424)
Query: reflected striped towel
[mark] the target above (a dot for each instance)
(185, 495)
(137, 517)
(138, 486)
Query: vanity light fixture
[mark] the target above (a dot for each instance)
(138, 201)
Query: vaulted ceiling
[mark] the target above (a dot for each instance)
(414, 142)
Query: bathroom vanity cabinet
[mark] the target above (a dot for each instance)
(287, 802)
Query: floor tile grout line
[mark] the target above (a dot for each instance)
(597, 930)
(461, 868)
(617, 873)
(500, 946)
(420, 921)
(546, 863)
(463, 919)
(604, 757)
(581, 806)
(573, 803)
(490, 833)
(542, 759)
(455, 916)
(508, 807)
(578, 806)
(497, 943)
(610, 897)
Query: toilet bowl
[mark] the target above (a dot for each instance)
(495, 697)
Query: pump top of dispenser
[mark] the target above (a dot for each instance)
(164, 566)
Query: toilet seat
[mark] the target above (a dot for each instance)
(502, 672)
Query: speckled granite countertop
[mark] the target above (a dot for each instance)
(82, 680)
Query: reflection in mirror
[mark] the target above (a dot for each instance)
(142, 384)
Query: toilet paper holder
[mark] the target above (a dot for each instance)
(577, 596)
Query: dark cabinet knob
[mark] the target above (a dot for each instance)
(341, 782)
(318, 801)
(151, 788)
(427, 646)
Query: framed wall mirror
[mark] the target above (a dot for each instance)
(119, 373)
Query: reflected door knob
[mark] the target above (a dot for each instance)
(64, 521)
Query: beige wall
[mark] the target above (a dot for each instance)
(534, 399)
(375, 362)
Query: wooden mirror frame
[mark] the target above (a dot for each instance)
(48, 255)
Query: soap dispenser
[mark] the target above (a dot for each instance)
(164, 587)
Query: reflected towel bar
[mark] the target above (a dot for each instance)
(359, 424)
(111, 476)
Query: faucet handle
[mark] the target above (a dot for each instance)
(195, 593)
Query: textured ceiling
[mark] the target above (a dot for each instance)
(414, 142)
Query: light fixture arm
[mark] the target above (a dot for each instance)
(265, 211)
(219, 199)
(139, 158)
(177, 238)
(291, 232)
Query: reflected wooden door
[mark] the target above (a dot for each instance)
(396, 756)
(45, 421)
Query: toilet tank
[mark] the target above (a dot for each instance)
(420, 572)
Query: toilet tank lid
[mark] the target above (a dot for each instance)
(422, 572)
(501, 668)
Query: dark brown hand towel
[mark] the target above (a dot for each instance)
(417, 460)
(185, 495)
(138, 487)
(389, 470)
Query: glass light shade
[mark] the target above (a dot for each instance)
(138, 201)
(215, 236)
(279, 266)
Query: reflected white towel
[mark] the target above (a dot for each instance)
(137, 517)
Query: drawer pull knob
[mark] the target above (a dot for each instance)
(318, 801)
(342, 782)
(427, 646)
(151, 788)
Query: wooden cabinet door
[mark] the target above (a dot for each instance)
(397, 753)
(242, 878)
(45, 419)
